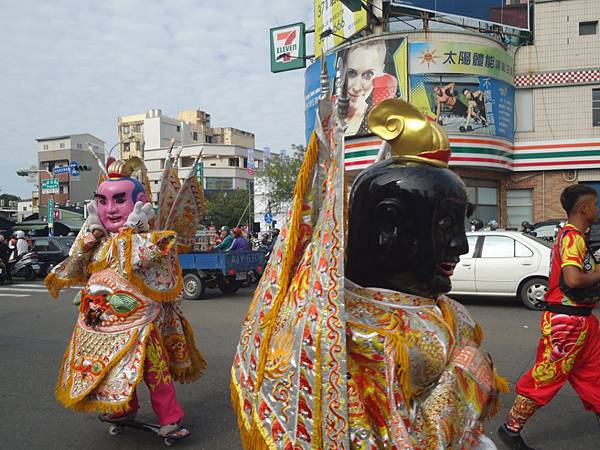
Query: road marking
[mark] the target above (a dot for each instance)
(39, 285)
(14, 295)
(21, 289)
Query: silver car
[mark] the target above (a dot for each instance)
(504, 263)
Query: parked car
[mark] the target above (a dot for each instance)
(52, 250)
(548, 228)
(504, 263)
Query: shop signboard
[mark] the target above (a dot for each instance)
(288, 48)
(336, 21)
(491, 11)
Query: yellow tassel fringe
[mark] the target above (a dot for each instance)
(196, 369)
(300, 190)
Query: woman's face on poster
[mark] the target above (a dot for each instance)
(362, 65)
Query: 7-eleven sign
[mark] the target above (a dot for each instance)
(288, 48)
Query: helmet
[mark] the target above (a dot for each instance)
(493, 225)
(526, 226)
(476, 225)
(20, 234)
(224, 228)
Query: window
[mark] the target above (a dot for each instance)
(45, 146)
(234, 162)
(596, 107)
(523, 109)
(519, 207)
(178, 128)
(126, 146)
(522, 251)
(245, 163)
(125, 129)
(63, 189)
(209, 140)
(41, 245)
(485, 201)
(195, 135)
(62, 145)
(472, 240)
(587, 28)
(79, 145)
(498, 247)
(218, 183)
(139, 146)
(187, 161)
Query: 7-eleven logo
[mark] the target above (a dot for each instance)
(286, 45)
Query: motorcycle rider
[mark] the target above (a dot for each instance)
(4, 255)
(22, 246)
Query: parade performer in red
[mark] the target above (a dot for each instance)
(569, 349)
(130, 326)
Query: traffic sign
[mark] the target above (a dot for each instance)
(50, 186)
(74, 168)
(63, 169)
(200, 173)
(50, 213)
(268, 217)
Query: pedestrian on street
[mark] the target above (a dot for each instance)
(4, 255)
(569, 349)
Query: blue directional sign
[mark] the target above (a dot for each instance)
(74, 172)
(268, 217)
(64, 169)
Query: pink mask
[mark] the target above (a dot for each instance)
(115, 203)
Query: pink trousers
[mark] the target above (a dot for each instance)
(160, 384)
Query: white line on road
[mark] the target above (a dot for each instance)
(14, 295)
(3, 289)
(39, 285)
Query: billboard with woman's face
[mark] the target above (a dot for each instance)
(466, 87)
(375, 71)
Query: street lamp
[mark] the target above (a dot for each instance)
(26, 173)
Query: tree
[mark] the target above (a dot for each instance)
(226, 208)
(279, 177)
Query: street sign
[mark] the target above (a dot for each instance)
(74, 166)
(63, 169)
(56, 214)
(200, 173)
(50, 213)
(268, 217)
(50, 186)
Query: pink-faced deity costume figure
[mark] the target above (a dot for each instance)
(350, 342)
(130, 326)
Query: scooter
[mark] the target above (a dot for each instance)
(27, 266)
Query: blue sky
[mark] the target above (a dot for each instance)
(75, 66)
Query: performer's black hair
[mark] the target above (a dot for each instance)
(572, 194)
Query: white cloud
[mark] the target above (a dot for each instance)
(74, 66)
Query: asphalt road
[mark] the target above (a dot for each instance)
(34, 330)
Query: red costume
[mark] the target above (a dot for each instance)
(570, 345)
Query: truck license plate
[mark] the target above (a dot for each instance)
(240, 276)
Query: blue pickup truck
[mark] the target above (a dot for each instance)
(226, 271)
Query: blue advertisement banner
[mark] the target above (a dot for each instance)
(470, 104)
(312, 91)
(492, 11)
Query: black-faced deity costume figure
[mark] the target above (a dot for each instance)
(349, 342)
